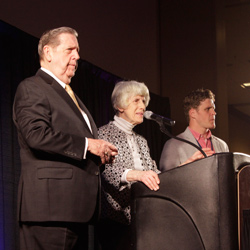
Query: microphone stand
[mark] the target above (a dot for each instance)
(165, 131)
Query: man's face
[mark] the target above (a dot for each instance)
(64, 57)
(204, 115)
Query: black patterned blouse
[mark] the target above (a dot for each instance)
(115, 194)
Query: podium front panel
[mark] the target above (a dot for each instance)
(195, 208)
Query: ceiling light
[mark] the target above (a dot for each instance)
(245, 85)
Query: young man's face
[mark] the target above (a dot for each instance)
(205, 114)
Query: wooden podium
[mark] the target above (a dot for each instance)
(195, 208)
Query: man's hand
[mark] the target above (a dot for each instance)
(198, 155)
(104, 149)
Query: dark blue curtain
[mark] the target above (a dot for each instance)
(19, 59)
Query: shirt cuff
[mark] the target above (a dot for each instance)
(85, 149)
(124, 176)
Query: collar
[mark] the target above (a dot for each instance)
(123, 125)
(199, 136)
(52, 75)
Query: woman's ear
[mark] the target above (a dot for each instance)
(120, 110)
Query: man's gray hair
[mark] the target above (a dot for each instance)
(50, 37)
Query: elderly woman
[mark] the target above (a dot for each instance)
(133, 162)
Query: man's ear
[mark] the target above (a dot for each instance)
(192, 113)
(47, 51)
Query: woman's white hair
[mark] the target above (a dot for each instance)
(124, 90)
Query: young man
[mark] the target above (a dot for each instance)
(60, 155)
(199, 109)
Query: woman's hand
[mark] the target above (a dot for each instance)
(149, 178)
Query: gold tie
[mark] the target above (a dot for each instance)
(71, 94)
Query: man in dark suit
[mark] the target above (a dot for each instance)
(60, 155)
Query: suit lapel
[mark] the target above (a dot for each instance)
(190, 136)
(65, 96)
(215, 144)
(91, 120)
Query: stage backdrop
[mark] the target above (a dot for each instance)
(19, 59)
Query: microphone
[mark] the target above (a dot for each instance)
(160, 119)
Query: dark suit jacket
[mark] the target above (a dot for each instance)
(56, 184)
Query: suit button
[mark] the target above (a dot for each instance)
(96, 173)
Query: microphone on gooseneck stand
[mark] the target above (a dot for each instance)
(162, 121)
